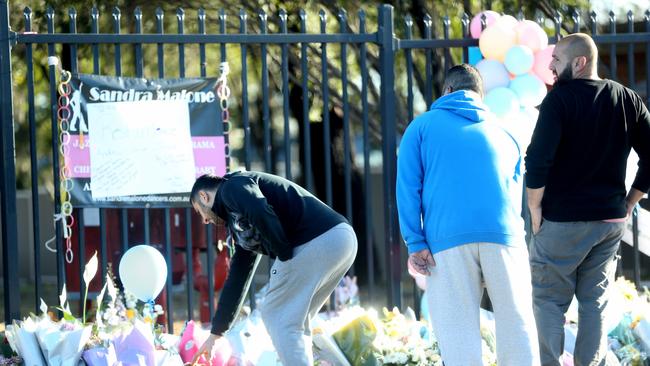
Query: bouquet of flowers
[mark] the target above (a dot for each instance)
(123, 332)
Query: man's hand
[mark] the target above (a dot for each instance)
(534, 196)
(633, 197)
(205, 350)
(421, 261)
(536, 219)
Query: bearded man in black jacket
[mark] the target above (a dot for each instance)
(313, 246)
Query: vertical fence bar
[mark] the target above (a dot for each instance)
(557, 23)
(222, 30)
(202, 58)
(168, 285)
(646, 19)
(103, 244)
(370, 253)
(387, 107)
(631, 83)
(51, 51)
(139, 59)
(124, 213)
(575, 16)
(81, 255)
(612, 48)
(160, 15)
(306, 126)
(446, 24)
(285, 96)
(210, 245)
(244, 82)
(593, 22)
(124, 229)
(208, 230)
(81, 237)
(167, 234)
(635, 242)
(326, 113)
(94, 28)
(539, 18)
(465, 30)
(268, 165)
(103, 248)
(117, 15)
(180, 21)
(347, 164)
(428, 84)
(139, 71)
(408, 53)
(33, 151)
(189, 253)
(72, 14)
(329, 199)
(226, 125)
(8, 175)
(180, 18)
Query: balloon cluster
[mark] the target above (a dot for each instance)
(513, 62)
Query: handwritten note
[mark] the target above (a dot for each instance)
(139, 148)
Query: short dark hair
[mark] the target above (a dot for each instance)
(204, 183)
(464, 77)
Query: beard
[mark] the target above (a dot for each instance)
(565, 75)
(209, 213)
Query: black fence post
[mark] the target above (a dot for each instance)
(389, 150)
(8, 174)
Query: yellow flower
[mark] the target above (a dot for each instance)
(130, 314)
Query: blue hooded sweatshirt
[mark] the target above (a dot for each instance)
(458, 178)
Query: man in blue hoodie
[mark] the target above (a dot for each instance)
(459, 190)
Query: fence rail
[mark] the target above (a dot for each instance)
(351, 82)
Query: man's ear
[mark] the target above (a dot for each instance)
(204, 197)
(579, 63)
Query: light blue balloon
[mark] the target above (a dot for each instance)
(502, 102)
(474, 54)
(530, 89)
(519, 60)
(493, 73)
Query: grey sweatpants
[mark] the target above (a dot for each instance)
(454, 291)
(299, 287)
(570, 258)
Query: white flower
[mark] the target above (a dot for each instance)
(90, 270)
(43, 307)
(398, 358)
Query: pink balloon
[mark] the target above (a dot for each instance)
(530, 34)
(542, 61)
(475, 25)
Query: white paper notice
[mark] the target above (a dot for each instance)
(140, 148)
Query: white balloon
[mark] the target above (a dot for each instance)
(143, 272)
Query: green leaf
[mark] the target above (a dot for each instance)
(67, 315)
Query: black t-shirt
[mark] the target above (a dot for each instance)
(580, 147)
(265, 214)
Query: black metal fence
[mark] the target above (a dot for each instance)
(355, 93)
